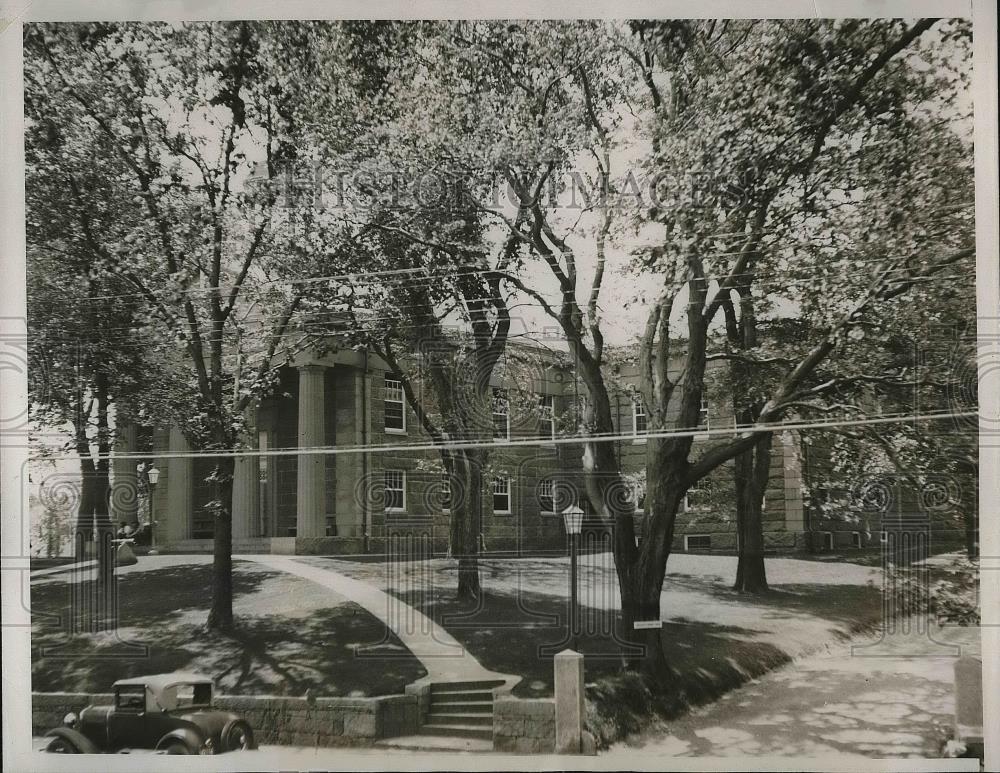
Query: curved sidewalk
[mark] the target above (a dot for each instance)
(444, 658)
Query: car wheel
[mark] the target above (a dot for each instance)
(176, 747)
(59, 745)
(237, 736)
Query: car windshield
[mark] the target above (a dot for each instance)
(131, 697)
(193, 695)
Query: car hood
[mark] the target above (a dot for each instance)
(95, 715)
(209, 721)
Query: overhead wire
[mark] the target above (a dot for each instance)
(457, 445)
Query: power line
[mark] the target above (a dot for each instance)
(746, 430)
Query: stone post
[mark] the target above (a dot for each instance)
(310, 518)
(178, 511)
(569, 701)
(969, 700)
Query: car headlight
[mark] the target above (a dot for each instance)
(208, 747)
(70, 720)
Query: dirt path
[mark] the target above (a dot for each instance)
(849, 705)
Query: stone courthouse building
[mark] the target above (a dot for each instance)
(313, 492)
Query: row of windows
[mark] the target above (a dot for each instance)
(639, 418)
(395, 413)
(704, 541)
(856, 542)
(395, 495)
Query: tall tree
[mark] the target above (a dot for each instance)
(810, 87)
(174, 118)
(420, 286)
(86, 362)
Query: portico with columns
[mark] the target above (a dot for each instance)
(285, 502)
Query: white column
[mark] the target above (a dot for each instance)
(794, 506)
(124, 491)
(246, 487)
(310, 491)
(350, 386)
(175, 522)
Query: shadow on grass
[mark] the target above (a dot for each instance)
(854, 607)
(504, 637)
(273, 654)
(507, 634)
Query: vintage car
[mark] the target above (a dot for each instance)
(166, 713)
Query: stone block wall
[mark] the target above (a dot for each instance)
(49, 708)
(276, 720)
(525, 726)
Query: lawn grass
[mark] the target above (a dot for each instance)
(517, 635)
(298, 639)
(295, 635)
(715, 639)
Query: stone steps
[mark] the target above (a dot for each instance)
(461, 710)
(460, 718)
(464, 696)
(465, 706)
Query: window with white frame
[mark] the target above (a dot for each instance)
(828, 540)
(501, 415)
(546, 417)
(856, 539)
(704, 423)
(445, 492)
(395, 491)
(697, 541)
(501, 495)
(547, 497)
(395, 407)
(638, 419)
(699, 499)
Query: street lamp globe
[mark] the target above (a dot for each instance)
(573, 518)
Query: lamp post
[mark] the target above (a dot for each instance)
(573, 518)
(152, 475)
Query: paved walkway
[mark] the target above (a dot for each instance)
(443, 657)
(78, 566)
(834, 704)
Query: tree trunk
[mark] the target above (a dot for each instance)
(104, 534)
(220, 616)
(104, 528)
(665, 490)
(656, 668)
(751, 477)
(93, 521)
(466, 520)
(83, 532)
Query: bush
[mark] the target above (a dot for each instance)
(949, 592)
